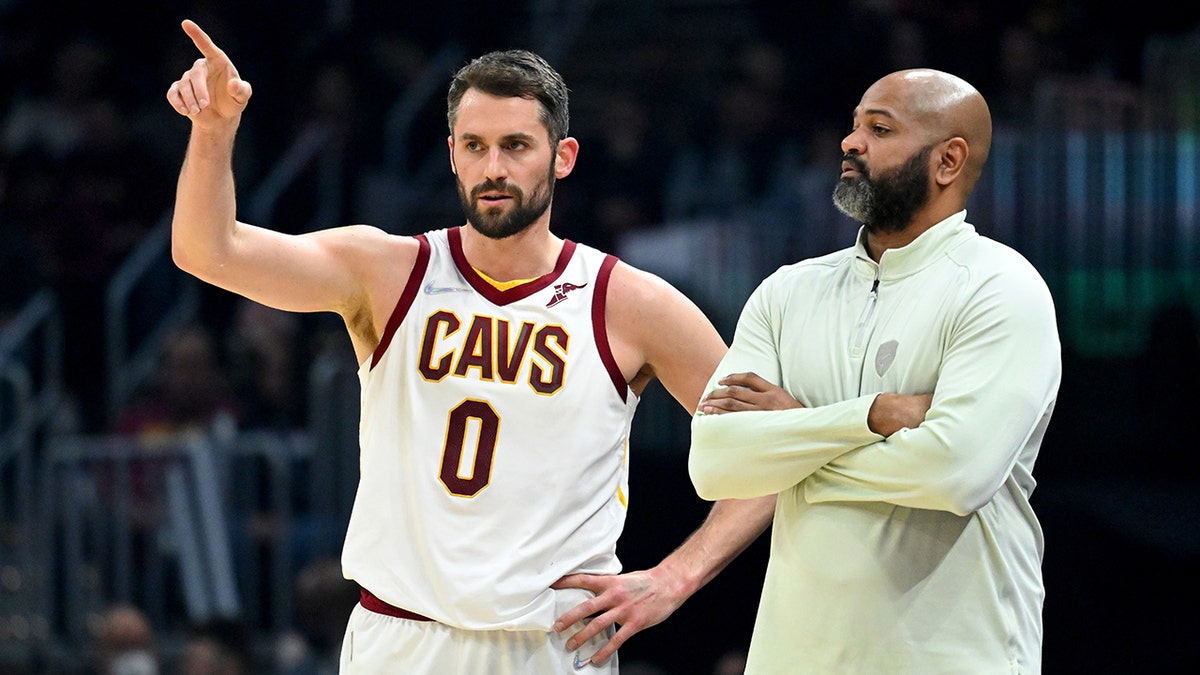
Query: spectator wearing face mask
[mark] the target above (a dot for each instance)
(126, 643)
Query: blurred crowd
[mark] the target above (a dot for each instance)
(743, 121)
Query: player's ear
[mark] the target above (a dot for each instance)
(564, 157)
(450, 144)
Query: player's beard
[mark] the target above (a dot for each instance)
(492, 221)
(887, 202)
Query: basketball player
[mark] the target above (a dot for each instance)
(500, 369)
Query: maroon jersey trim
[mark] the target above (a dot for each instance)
(406, 298)
(600, 327)
(368, 600)
(495, 295)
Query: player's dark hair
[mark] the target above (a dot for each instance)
(515, 72)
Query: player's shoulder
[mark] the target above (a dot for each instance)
(370, 239)
(647, 312)
(628, 284)
(364, 233)
(382, 260)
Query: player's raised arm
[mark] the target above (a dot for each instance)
(323, 271)
(211, 93)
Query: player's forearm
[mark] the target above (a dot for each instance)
(205, 202)
(731, 526)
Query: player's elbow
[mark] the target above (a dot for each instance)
(197, 260)
(179, 256)
(185, 257)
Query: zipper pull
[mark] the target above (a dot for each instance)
(866, 314)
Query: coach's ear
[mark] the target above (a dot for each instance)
(951, 160)
(564, 157)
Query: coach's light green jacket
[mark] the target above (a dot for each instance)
(918, 553)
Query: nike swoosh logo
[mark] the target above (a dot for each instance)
(430, 289)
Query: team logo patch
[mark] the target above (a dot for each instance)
(560, 292)
(885, 356)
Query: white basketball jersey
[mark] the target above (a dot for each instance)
(494, 434)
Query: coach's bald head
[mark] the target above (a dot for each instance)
(947, 107)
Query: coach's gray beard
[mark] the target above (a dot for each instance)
(887, 202)
(855, 198)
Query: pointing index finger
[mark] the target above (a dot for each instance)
(207, 47)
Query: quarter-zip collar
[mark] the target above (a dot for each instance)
(931, 245)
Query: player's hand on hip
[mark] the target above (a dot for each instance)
(210, 93)
(632, 601)
(746, 391)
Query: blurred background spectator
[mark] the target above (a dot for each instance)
(218, 647)
(126, 643)
(189, 391)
